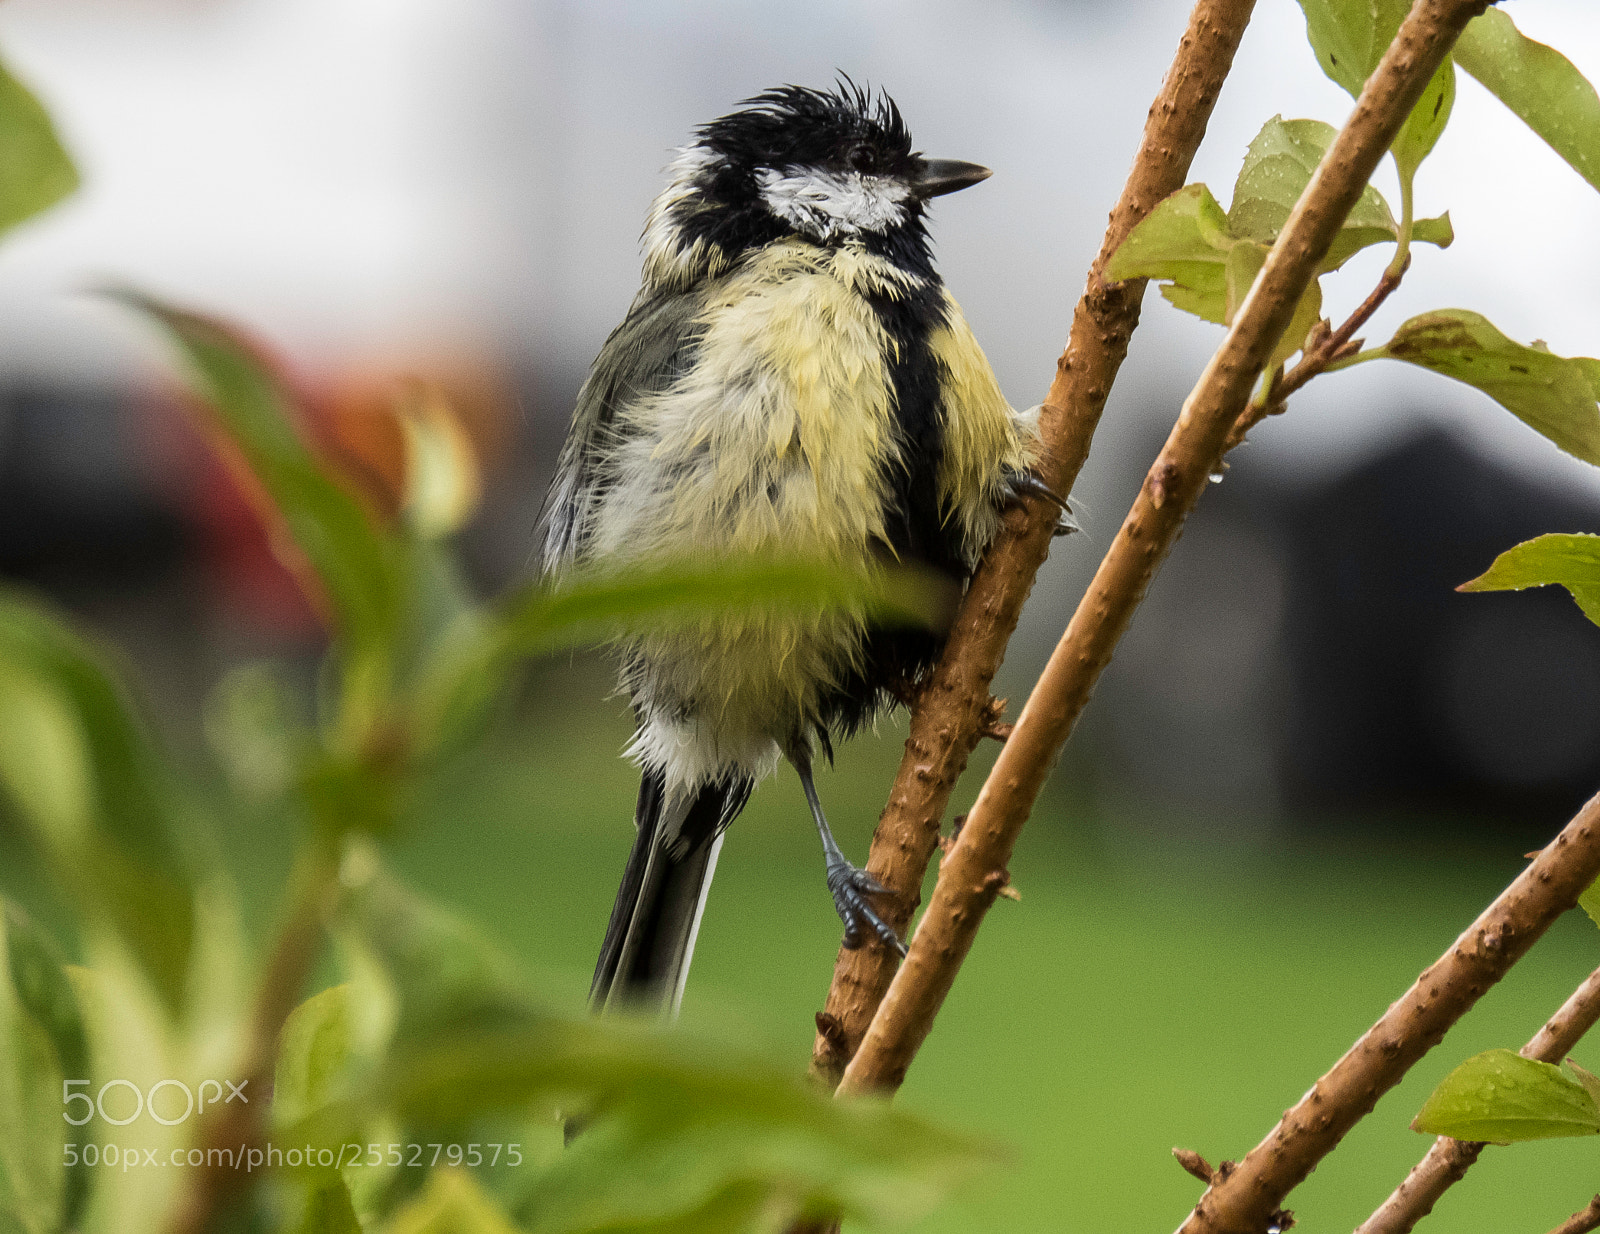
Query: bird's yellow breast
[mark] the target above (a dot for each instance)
(982, 437)
(778, 435)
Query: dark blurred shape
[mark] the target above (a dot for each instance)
(80, 512)
(1194, 700)
(1304, 656)
(1408, 695)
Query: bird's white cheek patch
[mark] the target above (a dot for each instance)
(825, 205)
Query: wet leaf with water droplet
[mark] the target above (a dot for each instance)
(1553, 395)
(1502, 1097)
(1570, 561)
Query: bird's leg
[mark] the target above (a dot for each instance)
(849, 884)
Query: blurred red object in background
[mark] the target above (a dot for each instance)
(382, 427)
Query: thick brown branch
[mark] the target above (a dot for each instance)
(1444, 992)
(1448, 1161)
(951, 713)
(1581, 1222)
(1194, 450)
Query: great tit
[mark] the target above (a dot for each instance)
(792, 378)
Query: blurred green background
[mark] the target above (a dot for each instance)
(1149, 989)
(1145, 992)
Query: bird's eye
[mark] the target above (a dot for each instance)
(861, 158)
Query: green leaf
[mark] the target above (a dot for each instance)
(474, 659)
(1243, 265)
(443, 483)
(1590, 1081)
(1539, 84)
(42, 988)
(41, 1044)
(672, 1123)
(89, 787)
(328, 1209)
(1209, 259)
(1590, 369)
(1204, 293)
(599, 603)
(44, 761)
(1549, 393)
(1426, 123)
(1185, 240)
(452, 1203)
(1277, 167)
(1589, 901)
(1571, 561)
(1502, 1097)
(1349, 38)
(1243, 268)
(313, 1052)
(35, 171)
(675, 1130)
(354, 566)
(132, 1037)
(1306, 314)
(738, 1208)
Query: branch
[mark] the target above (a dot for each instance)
(1409, 1029)
(953, 709)
(1583, 1221)
(1448, 1160)
(973, 873)
(236, 1127)
(1324, 348)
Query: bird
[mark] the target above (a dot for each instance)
(792, 378)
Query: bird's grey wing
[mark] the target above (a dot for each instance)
(644, 355)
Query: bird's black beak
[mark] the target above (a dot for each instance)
(946, 176)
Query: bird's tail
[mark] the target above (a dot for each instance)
(644, 960)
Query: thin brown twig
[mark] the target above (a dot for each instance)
(950, 715)
(1325, 346)
(1582, 1221)
(1447, 1161)
(235, 1127)
(974, 871)
(1195, 1164)
(994, 724)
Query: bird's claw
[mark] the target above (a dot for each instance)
(1020, 485)
(850, 886)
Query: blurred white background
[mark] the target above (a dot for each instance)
(357, 174)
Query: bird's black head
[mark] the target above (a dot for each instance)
(828, 166)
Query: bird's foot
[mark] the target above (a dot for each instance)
(1021, 485)
(850, 886)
